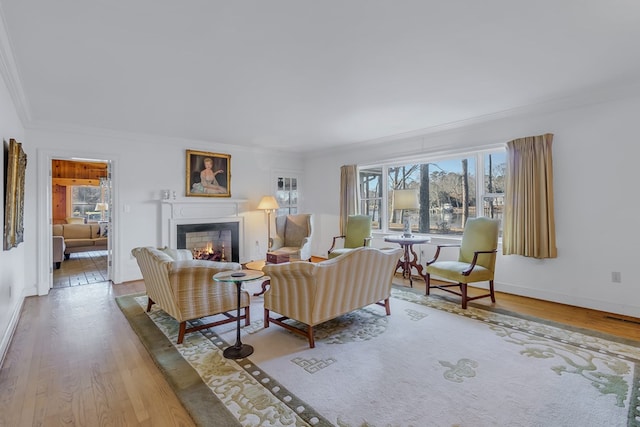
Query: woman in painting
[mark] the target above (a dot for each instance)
(208, 183)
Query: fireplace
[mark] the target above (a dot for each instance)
(214, 241)
(215, 221)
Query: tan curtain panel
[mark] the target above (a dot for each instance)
(348, 194)
(529, 224)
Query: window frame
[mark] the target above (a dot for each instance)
(481, 194)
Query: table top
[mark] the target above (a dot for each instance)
(255, 265)
(237, 276)
(407, 240)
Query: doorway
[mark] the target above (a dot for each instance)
(81, 202)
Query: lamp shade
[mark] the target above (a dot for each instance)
(102, 206)
(268, 203)
(405, 199)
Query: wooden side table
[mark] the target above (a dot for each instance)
(410, 258)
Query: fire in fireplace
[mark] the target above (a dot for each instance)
(216, 241)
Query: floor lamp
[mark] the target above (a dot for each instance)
(406, 199)
(269, 204)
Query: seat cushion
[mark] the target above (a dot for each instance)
(452, 270)
(76, 243)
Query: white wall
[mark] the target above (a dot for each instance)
(142, 167)
(12, 262)
(595, 180)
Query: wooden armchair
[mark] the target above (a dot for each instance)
(184, 288)
(357, 233)
(476, 260)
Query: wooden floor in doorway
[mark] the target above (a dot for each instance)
(82, 268)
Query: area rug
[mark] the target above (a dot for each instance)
(428, 364)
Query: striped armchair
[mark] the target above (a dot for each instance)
(314, 293)
(184, 288)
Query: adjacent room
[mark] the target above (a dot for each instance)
(319, 213)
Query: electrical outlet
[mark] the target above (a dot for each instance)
(616, 277)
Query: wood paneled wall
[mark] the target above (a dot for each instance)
(65, 173)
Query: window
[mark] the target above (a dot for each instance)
(450, 191)
(90, 202)
(287, 195)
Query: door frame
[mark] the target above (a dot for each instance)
(45, 220)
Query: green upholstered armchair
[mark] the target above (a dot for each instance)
(476, 260)
(357, 234)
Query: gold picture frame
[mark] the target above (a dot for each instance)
(208, 174)
(15, 167)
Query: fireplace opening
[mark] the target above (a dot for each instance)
(215, 241)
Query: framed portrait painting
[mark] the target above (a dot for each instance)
(15, 166)
(208, 174)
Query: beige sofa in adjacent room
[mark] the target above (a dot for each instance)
(78, 238)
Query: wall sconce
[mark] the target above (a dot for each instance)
(268, 204)
(406, 200)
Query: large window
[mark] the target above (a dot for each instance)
(450, 190)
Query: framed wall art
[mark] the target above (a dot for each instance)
(208, 174)
(15, 166)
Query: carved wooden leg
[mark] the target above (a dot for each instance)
(183, 327)
(463, 289)
(312, 342)
(149, 303)
(264, 287)
(247, 317)
(266, 318)
(428, 281)
(387, 307)
(493, 297)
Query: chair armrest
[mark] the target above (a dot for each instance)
(437, 254)
(277, 243)
(475, 259)
(333, 244)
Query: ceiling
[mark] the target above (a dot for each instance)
(302, 75)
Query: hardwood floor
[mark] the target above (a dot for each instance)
(81, 268)
(74, 359)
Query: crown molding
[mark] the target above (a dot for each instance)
(11, 76)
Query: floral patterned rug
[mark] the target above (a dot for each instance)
(429, 363)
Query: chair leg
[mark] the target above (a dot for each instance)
(312, 342)
(387, 307)
(463, 291)
(266, 318)
(428, 276)
(183, 327)
(247, 320)
(493, 297)
(149, 303)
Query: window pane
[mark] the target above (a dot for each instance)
(84, 199)
(495, 168)
(371, 195)
(446, 191)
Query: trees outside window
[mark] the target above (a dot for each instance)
(450, 191)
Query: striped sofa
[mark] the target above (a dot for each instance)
(184, 288)
(314, 293)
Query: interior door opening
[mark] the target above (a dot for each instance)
(81, 202)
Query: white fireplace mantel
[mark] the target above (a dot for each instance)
(199, 210)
